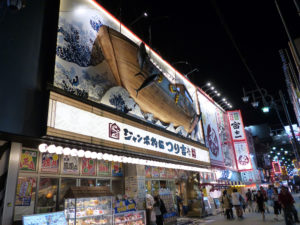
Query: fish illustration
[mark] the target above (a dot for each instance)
(148, 81)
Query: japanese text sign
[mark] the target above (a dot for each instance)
(100, 127)
(236, 125)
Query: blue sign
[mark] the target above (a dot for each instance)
(125, 206)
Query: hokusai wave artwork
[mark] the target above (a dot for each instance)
(96, 62)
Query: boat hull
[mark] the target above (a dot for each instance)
(121, 54)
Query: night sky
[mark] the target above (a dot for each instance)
(193, 33)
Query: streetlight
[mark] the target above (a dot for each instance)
(143, 15)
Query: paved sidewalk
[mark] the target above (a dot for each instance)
(249, 218)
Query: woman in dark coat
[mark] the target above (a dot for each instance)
(260, 200)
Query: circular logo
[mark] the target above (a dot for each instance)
(213, 143)
(243, 160)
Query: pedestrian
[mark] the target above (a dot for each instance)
(254, 200)
(260, 200)
(264, 193)
(249, 199)
(287, 202)
(178, 203)
(227, 205)
(150, 214)
(276, 204)
(269, 196)
(236, 202)
(162, 205)
(158, 212)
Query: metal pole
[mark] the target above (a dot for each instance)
(296, 144)
(288, 33)
(297, 6)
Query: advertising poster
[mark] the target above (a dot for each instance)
(148, 171)
(240, 144)
(28, 160)
(104, 168)
(162, 173)
(88, 167)
(50, 163)
(276, 167)
(70, 165)
(155, 172)
(211, 130)
(117, 169)
(24, 191)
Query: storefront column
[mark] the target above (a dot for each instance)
(11, 183)
(135, 184)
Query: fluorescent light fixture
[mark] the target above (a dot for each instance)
(245, 98)
(265, 109)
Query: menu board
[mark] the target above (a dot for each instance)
(155, 172)
(116, 169)
(104, 168)
(148, 171)
(50, 163)
(46, 219)
(70, 165)
(28, 160)
(88, 167)
(24, 190)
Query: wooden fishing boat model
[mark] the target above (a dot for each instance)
(133, 70)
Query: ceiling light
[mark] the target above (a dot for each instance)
(255, 104)
(51, 149)
(59, 150)
(212, 88)
(43, 147)
(245, 98)
(274, 148)
(67, 151)
(208, 84)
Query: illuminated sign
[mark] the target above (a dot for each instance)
(68, 118)
(276, 167)
(240, 144)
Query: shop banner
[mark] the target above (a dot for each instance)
(104, 168)
(128, 205)
(240, 144)
(93, 125)
(24, 191)
(50, 163)
(162, 173)
(148, 171)
(211, 130)
(88, 167)
(155, 172)
(70, 165)
(276, 167)
(28, 160)
(117, 169)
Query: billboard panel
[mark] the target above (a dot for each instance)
(239, 139)
(211, 130)
(99, 59)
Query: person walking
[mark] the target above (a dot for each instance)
(249, 199)
(226, 202)
(150, 214)
(236, 202)
(162, 205)
(276, 204)
(158, 213)
(260, 200)
(264, 193)
(178, 203)
(287, 202)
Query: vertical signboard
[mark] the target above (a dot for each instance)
(240, 144)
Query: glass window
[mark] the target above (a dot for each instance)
(117, 187)
(25, 197)
(102, 183)
(66, 183)
(88, 182)
(47, 195)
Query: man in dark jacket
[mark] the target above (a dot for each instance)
(162, 206)
(287, 202)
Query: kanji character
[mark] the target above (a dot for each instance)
(236, 125)
(171, 146)
(161, 144)
(194, 153)
(183, 149)
(154, 142)
(147, 140)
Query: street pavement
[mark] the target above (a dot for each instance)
(249, 218)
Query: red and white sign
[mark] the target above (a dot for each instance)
(276, 167)
(238, 136)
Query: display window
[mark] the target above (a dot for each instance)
(47, 195)
(88, 182)
(102, 183)
(65, 184)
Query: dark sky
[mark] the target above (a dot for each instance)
(193, 32)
